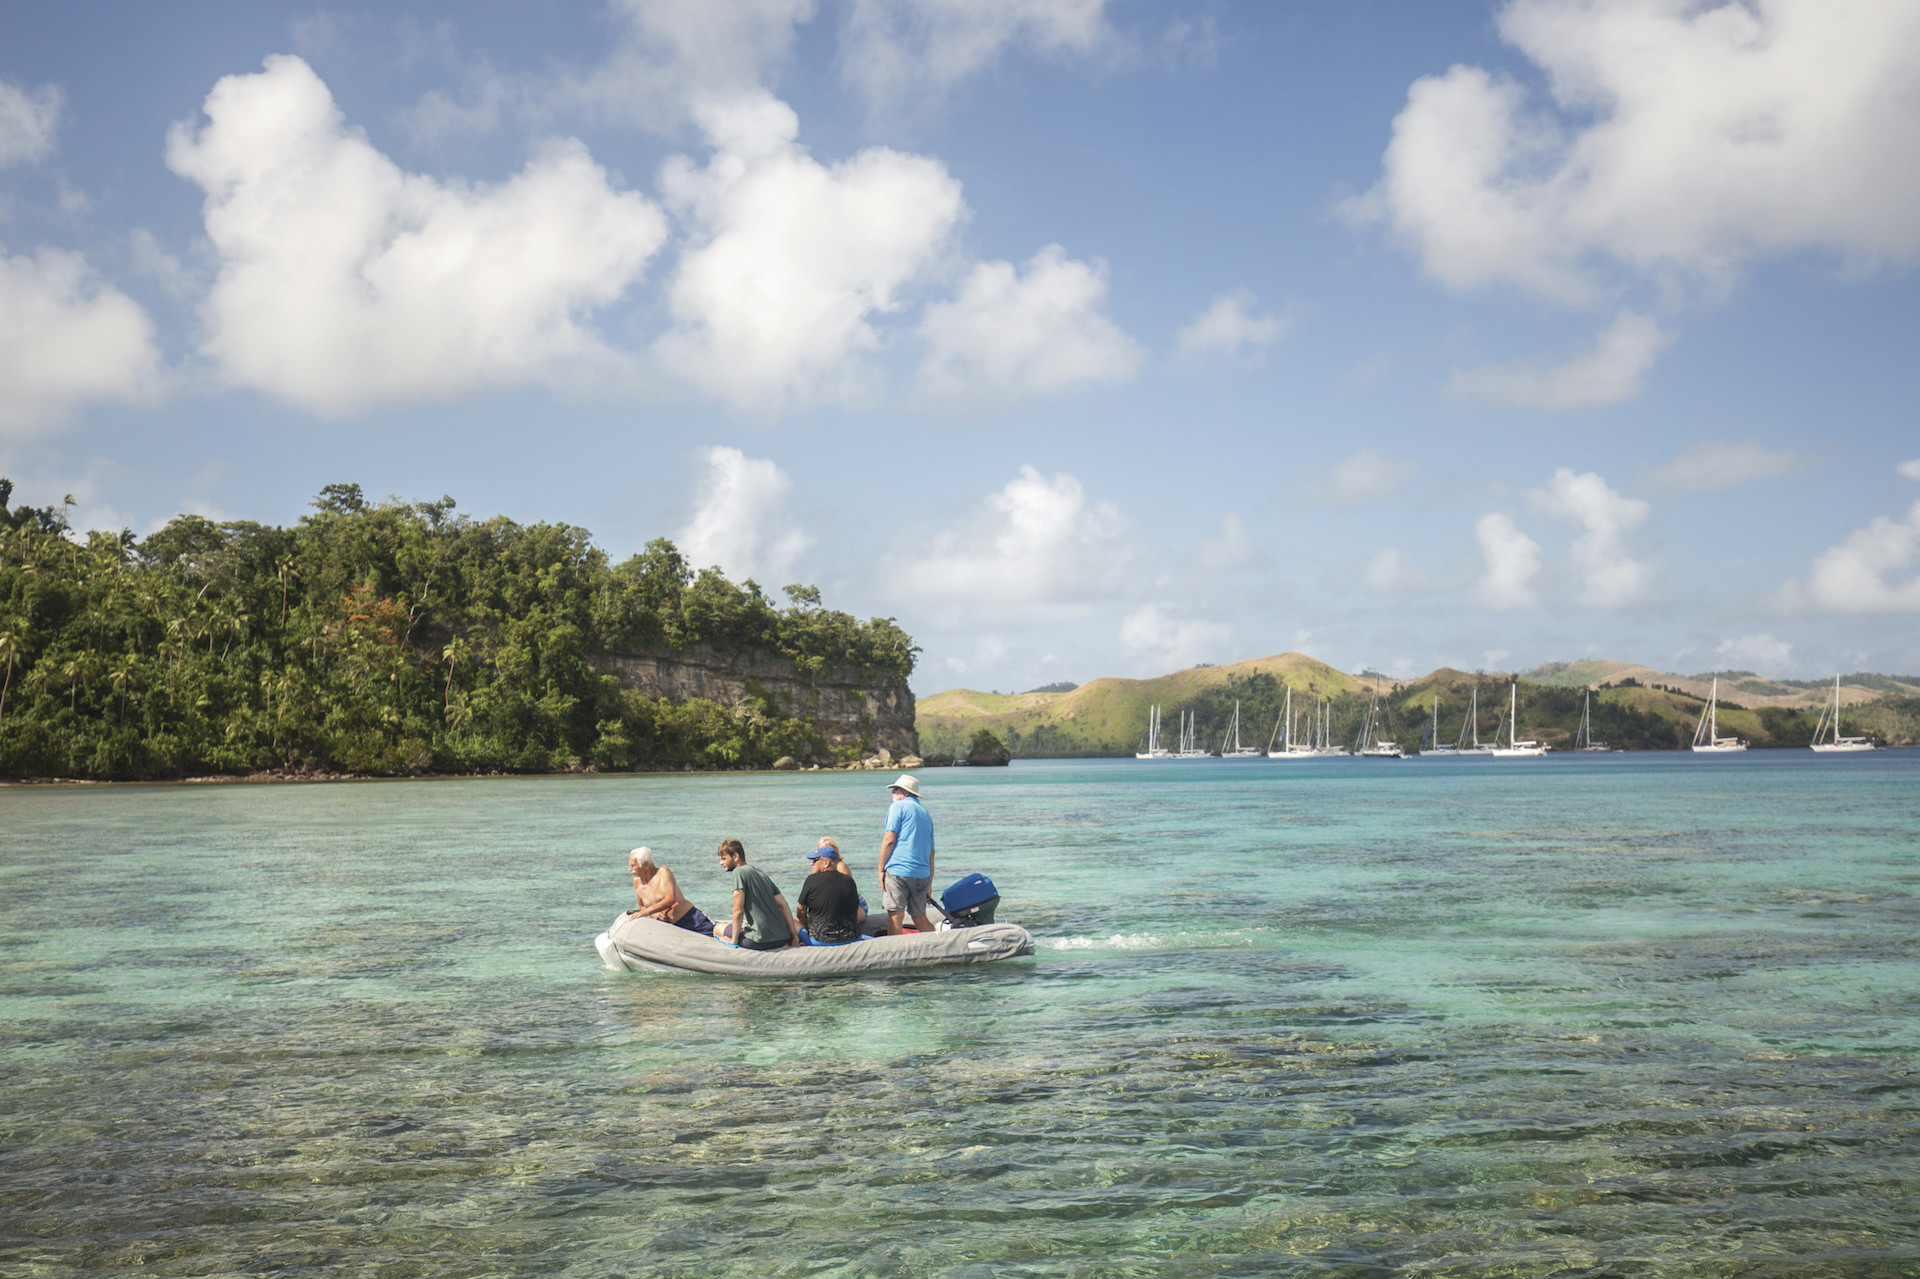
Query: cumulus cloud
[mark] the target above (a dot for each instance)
(1038, 550)
(1610, 577)
(1760, 653)
(741, 521)
(1609, 373)
(673, 59)
(344, 281)
(1910, 469)
(1152, 632)
(1509, 561)
(1875, 569)
(1031, 332)
(1721, 464)
(67, 338)
(27, 122)
(791, 260)
(1684, 141)
(1229, 327)
(896, 49)
(1368, 475)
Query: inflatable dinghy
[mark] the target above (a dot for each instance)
(647, 945)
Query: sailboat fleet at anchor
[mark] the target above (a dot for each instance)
(1308, 733)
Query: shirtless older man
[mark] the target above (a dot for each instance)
(659, 896)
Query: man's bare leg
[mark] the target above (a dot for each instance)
(893, 923)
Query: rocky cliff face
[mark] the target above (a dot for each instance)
(847, 708)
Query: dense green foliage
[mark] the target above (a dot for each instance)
(380, 638)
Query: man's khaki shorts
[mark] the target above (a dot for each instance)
(906, 893)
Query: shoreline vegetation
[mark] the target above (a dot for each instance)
(1634, 708)
(389, 639)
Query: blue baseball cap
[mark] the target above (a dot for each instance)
(827, 851)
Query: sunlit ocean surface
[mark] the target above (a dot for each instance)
(1634, 1014)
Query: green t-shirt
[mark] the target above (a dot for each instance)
(765, 923)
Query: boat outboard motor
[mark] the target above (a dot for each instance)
(970, 901)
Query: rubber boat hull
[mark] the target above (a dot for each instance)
(647, 945)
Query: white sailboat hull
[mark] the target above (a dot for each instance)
(1846, 745)
(1719, 748)
(1516, 752)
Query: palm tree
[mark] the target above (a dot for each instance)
(10, 648)
(120, 674)
(452, 653)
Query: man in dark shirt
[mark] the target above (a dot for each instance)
(829, 902)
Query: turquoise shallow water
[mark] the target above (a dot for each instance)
(1634, 1014)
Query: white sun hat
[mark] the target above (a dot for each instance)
(907, 783)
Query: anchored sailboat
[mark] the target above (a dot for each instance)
(1190, 747)
(1372, 745)
(1289, 748)
(1829, 727)
(1517, 746)
(1470, 729)
(1154, 749)
(1230, 747)
(1706, 735)
(1584, 741)
(1430, 744)
(1324, 727)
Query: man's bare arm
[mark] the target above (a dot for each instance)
(887, 841)
(793, 925)
(739, 915)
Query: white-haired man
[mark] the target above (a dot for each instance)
(659, 897)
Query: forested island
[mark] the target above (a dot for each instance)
(397, 638)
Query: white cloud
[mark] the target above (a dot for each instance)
(791, 259)
(1510, 560)
(1008, 333)
(1609, 373)
(27, 123)
(1910, 469)
(1151, 632)
(67, 338)
(675, 58)
(1230, 547)
(1035, 551)
(1721, 464)
(1609, 576)
(741, 521)
(896, 50)
(1760, 653)
(344, 281)
(1365, 476)
(1688, 140)
(1229, 327)
(1875, 569)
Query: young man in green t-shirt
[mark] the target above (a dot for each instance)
(762, 920)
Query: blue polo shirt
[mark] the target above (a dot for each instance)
(913, 853)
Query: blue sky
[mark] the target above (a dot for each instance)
(1084, 338)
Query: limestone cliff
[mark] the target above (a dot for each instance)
(849, 709)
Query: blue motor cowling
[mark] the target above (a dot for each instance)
(970, 901)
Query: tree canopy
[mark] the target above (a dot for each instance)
(387, 637)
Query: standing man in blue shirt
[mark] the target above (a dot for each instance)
(906, 857)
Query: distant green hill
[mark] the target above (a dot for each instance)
(1634, 707)
(1109, 716)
